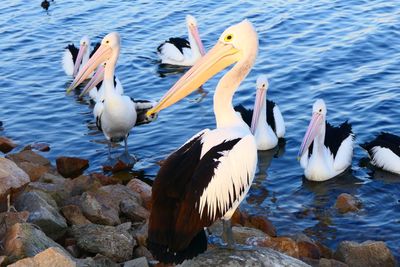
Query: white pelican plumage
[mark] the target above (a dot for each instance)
(208, 176)
(384, 152)
(116, 114)
(179, 51)
(326, 151)
(266, 122)
(74, 58)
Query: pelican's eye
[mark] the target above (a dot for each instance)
(107, 42)
(320, 110)
(228, 38)
(263, 86)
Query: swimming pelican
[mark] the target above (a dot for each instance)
(116, 114)
(266, 122)
(208, 176)
(97, 82)
(74, 59)
(384, 152)
(326, 151)
(179, 51)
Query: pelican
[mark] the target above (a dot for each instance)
(116, 114)
(207, 177)
(384, 152)
(74, 59)
(326, 151)
(97, 82)
(179, 51)
(266, 122)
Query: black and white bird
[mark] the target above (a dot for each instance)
(181, 52)
(266, 122)
(384, 152)
(116, 114)
(326, 151)
(74, 58)
(207, 177)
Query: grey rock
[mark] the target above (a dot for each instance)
(43, 212)
(114, 243)
(368, 253)
(53, 256)
(238, 258)
(97, 261)
(134, 211)
(100, 208)
(26, 240)
(139, 262)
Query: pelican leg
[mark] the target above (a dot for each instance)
(110, 161)
(227, 233)
(126, 157)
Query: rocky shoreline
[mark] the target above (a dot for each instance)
(62, 217)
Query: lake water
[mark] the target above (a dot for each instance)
(347, 52)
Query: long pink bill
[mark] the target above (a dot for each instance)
(258, 104)
(96, 79)
(196, 35)
(78, 61)
(312, 131)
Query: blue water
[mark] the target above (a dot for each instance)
(347, 52)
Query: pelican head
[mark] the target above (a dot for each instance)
(316, 126)
(108, 51)
(238, 42)
(191, 24)
(84, 45)
(262, 87)
(96, 79)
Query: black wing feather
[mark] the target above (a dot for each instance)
(247, 114)
(74, 51)
(96, 46)
(270, 115)
(179, 43)
(386, 140)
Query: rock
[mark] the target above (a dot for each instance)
(99, 207)
(239, 258)
(53, 256)
(34, 171)
(6, 144)
(134, 211)
(74, 215)
(116, 244)
(239, 217)
(3, 260)
(28, 156)
(283, 244)
(97, 261)
(71, 166)
(242, 234)
(25, 240)
(263, 224)
(73, 250)
(141, 234)
(43, 147)
(43, 212)
(325, 251)
(120, 192)
(346, 203)
(368, 253)
(308, 250)
(331, 263)
(143, 189)
(12, 178)
(81, 184)
(8, 219)
(139, 262)
(117, 167)
(57, 191)
(105, 180)
(142, 251)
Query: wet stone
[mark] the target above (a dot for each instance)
(143, 189)
(6, 144)
(117, 167)
(71, 167)
(347, 203)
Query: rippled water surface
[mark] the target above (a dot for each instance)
(347, 52)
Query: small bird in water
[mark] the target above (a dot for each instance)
(45, 5)
(326, 151)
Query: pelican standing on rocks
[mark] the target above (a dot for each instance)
(384, 152)
(116, 113)
(179, 51)
(74, 59)
(207, 177)
(266, 121)
(326, 151)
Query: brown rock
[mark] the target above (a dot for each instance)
(3, 260)
(34, 171)
(6, 144)
(43, 147)
(74, 215)
(346, 203)
(239, 217)
(368, 253)
(331, 263)
(81, 184)
(8, 219)
(283, 244)
(99, 207)
(71, 166)
(308, 250)
(53, 256)
(29, 156)
(143, 189)
(105, 180)
(12, 178)
(119, 166)
(263, 224)
(325, 251)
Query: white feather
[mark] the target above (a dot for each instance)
(344, 154)
(384, 158)
(68, 63)
(170, 53)
(279, 122)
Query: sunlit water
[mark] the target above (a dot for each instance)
(347, 52)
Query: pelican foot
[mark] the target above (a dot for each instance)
(110, 162)
(127, 159)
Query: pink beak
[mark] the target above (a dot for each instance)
(96, 79)
(82, 51)
(260, 99)
(196, 35)
(312, 131)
